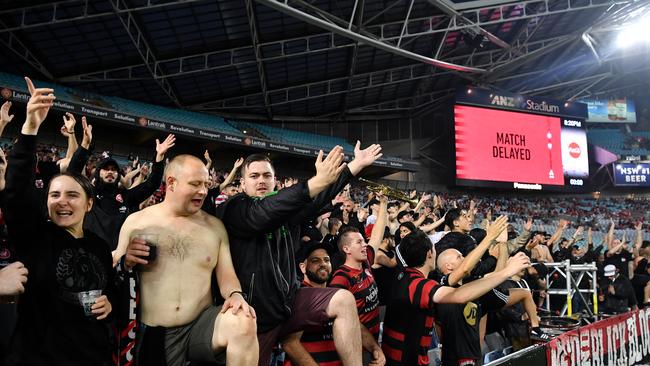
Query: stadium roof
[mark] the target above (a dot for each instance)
(323, 60)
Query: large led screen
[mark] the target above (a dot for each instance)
(500, 148)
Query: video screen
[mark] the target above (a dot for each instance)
(499, 148)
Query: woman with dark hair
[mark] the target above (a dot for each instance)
(61, 315)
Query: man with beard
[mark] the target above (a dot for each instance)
(317, 341)
(112, 202)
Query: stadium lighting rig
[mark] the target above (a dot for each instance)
(636, 30)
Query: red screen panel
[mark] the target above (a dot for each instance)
(505, 146)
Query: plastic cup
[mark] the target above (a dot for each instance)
(151, 240)
(87, 299)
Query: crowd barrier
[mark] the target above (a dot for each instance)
(621, 340)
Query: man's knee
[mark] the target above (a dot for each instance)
(240, 323)
(343, 301)
(231, 327)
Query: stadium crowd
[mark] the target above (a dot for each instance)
(176, 262)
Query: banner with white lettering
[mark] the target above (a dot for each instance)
(620, 340)
(632, 174)
(139, 121)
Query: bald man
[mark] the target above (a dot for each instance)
(177, 248)
(460, 322)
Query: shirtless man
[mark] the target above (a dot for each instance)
(187, 247)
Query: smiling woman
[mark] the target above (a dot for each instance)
(63, 312)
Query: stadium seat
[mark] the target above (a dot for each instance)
(492, 356)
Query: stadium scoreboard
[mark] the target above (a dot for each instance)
(513, 141)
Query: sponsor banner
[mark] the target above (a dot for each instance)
(575, 159)
(620, 340)
(613, 110)
(503, 100)
(632, 174)
(630, 158)
(131, 120)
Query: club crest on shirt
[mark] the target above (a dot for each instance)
(470, 312)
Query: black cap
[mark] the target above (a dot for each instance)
(401, 214)
(307, 248)
(102, 164)
(541, 269)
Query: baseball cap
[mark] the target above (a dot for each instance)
(610, 270)
(309, 248)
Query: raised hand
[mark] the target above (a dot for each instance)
(5, 117)
(38, 106)
(238, 163)
(563, 224)
(517, 263)
(528, 226)
(496, 228)
(365, 157)
(329, 169)
(495, 250)
(88, 133)
(162, 147)
(68, 124)
(208, 160)
(579, 231)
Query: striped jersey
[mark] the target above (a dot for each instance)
(366, 293)
(409, 319)
(319, 342)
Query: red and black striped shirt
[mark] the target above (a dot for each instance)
(319, 342)
(409, 320)
(366, 293)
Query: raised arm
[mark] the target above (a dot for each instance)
(364, 158)
(639, 238)
(22, 207)
(377, 233)
(468, 264)
(139, 193)
(521, 239)
(609, 239)
(476, 289)
(425, 197)
(5, 117)
(67, 130)
(246, 216)
(208, 159)
(555, 238)
(231, 175)
(82, 153)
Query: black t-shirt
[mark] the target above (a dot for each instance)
(460, 330)
(642, 267)
(621, 261)
(385, 278)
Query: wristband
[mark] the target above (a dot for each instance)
(237, 292)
